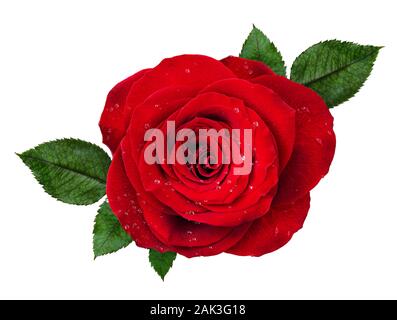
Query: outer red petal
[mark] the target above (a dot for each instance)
(124, 203)
(114, 120)
(273, 230)
(186, 70)
(314, 143)
(246, 69)
(218, 247)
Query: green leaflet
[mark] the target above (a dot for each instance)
(336, 70)
(109, 236)
(161, 262)
(70, 170)
(259, 47)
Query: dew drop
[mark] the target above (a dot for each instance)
(251, 187)
(236, 110)
(187, 70)
(156, 105)
(319, 141)
(156, 181)
(127, 227)
(304, 109)
(218, 187)
(189, 232)
(231, 190)
(147, 126)
(276, 231)
(126, 213)
(116, 106)
(255, 124)
(250, 72)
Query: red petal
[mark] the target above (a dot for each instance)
(187, 70)
(278, 116)
(246, 69)
(170, 229)
(124, 203)
(115, 118)
(315, 139)
(273, 230)
(218, 247)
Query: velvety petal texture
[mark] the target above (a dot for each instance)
(246, 148)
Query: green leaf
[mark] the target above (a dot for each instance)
(70, 170)
(161, 262)
(336, 70)
(259, 47)
(109, 235)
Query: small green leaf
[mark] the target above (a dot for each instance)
(161, 262)
(70, 170)
(109, 235)
(336, 70)
(259, 47)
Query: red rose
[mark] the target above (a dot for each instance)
(203, 210)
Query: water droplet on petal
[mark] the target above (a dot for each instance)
(276, 231)
(156, 181)
(255, 124)
(251, 187)
(147, 126)
(319, 141)
(127, 227)
(116, 106)
(236, 110)
(187, 70)
(189, 232)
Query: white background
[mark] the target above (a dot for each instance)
(58, 59)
